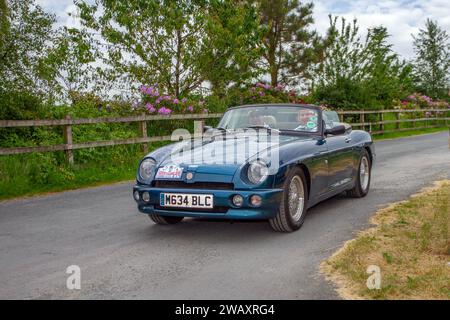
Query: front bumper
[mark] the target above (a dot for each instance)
(222, 199)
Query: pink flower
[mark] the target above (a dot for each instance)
(176, 101)
(150, 107)
(191, 109)
(262, 85)
(184, 100)
(164, 111)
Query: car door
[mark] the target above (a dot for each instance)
(340, 160)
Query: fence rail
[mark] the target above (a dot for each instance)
(143, 139)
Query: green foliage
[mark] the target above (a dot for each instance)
(290, 47)
(4, 23)
(68, 66)
(28, 34)
(36, 173)
(230, 49)
(432, 62)
(151, 41)
(360, 74)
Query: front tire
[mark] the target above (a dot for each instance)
(292, 210)
(158, 219)
(363, 176)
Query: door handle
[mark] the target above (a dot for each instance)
(348, 140)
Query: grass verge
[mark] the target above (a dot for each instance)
(408, 133)
(410, 244)
(37, 173)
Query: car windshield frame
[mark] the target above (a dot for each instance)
(319, 131)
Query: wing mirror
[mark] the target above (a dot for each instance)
(340, 129)
(206, 128)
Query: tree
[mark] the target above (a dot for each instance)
(231, 47)
(4, 22)
(154, 41)
(432, 62)
(290, 47)
(360, 74)
(29, 34)
(68, 64)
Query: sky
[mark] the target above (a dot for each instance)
(402, 18)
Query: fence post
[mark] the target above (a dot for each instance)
(198, 128)
(397, 116)
(362, 120)
(67, 130)
(143, 134)
(382, 120)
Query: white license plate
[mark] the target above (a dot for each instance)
(182, 200)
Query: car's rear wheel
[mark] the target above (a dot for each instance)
(363, 175)
(292, 210)
(158, 219)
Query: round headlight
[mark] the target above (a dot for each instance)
(257, 172)
(145, 170)
(146, 196)
(238, 200)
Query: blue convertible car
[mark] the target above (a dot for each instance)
(271, 161)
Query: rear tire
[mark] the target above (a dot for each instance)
(158, 219)
(292, 210)
(363, 176)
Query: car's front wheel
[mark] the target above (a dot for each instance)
(158, 219)
(292, 210)
(363, 176)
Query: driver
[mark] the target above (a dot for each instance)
(255, 118)
(307, 119)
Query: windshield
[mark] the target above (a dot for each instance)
(331, 119)
(295, 118)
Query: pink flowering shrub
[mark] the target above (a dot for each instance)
(155, 102)
(419, 101)
(266, 93)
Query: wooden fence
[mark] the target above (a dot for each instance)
(68, 146)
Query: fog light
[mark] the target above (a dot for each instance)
(255, 200)
(136, 195)
(238, 201)
(146, 196)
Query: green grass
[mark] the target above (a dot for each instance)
(408, 133)
(31, 174)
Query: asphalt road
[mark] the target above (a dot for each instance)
(123, 255)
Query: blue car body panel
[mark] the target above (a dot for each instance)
(330, 164)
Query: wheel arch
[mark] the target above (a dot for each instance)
(307, 176)
(369, 151)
